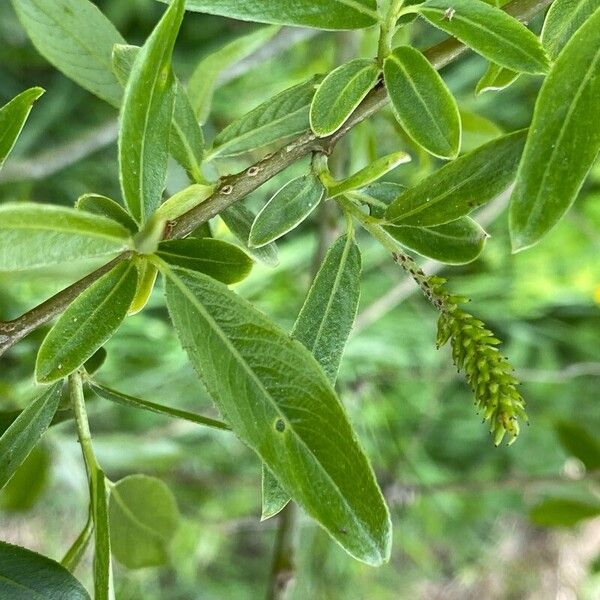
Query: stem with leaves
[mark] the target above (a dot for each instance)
(233, 188)
(474, 347)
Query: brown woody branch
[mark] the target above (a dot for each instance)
(234, 188)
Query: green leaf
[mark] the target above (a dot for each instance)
(25, 432)
(202, 83)
(564, 18)
(322, 14)
(422, 103)
(169, 411)
(489, 31)
(274, 497)
(323, 326)
(87, 324)
(563, 140)
(378, 196)
(455, 243)
(580, 443)
(340, 93)
(563, 512)
(75, 37)
(460, 186)
(220, 260)
(12, 119)
(477, 130)
(146, 114)
(279, 402)
(496, 78)
(105, 207)
(286, 209)
(186, 142)
(7, 418)
(143, 518)
(328, 313)
(369, 174)
(28, 482)
(25, 575)
(276, 120)
(103, 584)
(95, 363)
(39, 235)
(147, 274)
(239, 220)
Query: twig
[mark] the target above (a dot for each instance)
(233, 188)
(282, 569)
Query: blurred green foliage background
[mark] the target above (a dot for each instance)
(461, 507)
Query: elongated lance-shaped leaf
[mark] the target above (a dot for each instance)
(322, 14)
(26, 430)
(39, 235)
(340, 93)
(87, 324)
(186, 139)
(13, 117)
(286, 209)
(274, 121)
(477, 131)
(279, 402)
(106, 207)
(564, 18)
(496, 78)
(143, 518)
(455, 243)
(239, 219)
(323, 326)
(75, 37)
(489, 31)
(563, 140)
(328, 313)
(422, 103)
(169, 411)
(460, 186)
(146, 115)
(26, 575)
(221, 260)
(378, 196)
(204, 78)
(369, 174)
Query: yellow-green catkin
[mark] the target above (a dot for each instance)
(475, 352)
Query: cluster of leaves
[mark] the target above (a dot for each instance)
(276, 391)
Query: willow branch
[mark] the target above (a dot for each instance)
(234, 188)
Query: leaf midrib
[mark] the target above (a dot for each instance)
(235, 353)
(335, 287)
(64, 350)
(255, 131)
(536, 206)
(424, 104)
(340, 95)
(457, 16)
(132, 516)
(105, 63)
